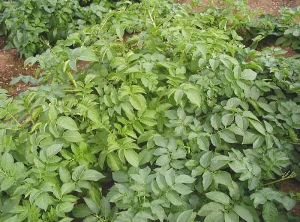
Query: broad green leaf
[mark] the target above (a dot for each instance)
(249, 138)
(105, 207)
(227, 136)
(120, 31)
(209, 208)
(265, 107)
(203, 143)
(114, 162)
(67, 123)
(214, 64)
(7, 162)
(215, 121)
(12, 219)
(94, 116)
(132, 157)
(184, 179)
(72, 136)
(227, 119)
(207, 179)
(215, 140)
(67, 188)
(64, 174)
(258, 126)
(87, 54)
(7, 183)
(193, 95)
(53, 150)
(186, 216)
(248, 74)
(182, 189)
(218, 197)
(214, 217)
(91, 175)
(64, 207)
(160, 141)
(174, 198)
(231, 217)
(270, 212)
(93, 206)
(218, 162)
(138, 101)
(288, 202)
(232, 103)
(205, 159)
(243, 212)
(223, 177)
(178, 95)
(158, 211)
(81, 211)
(170, 177)
(78, 172)
(52, 113)
(42, 201)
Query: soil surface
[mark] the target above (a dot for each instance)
(12, 66)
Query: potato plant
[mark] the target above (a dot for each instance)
(172, 119)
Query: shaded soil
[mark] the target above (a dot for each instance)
(292, 185)
(12, 66)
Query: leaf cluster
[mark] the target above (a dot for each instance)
(178, 122)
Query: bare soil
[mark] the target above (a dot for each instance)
(12, 66)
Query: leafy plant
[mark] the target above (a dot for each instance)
(178, 122)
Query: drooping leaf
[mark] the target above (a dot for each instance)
(243, 212)
(270, 212)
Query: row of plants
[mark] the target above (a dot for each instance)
(178, 122)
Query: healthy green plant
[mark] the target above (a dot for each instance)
(179, 122)
(33, 26)
(285, 29)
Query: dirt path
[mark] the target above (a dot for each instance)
(11, 66)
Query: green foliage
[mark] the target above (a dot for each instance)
(33, 26)
(178, 122)
(285, 28)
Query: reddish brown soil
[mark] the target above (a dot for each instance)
(11, 66)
